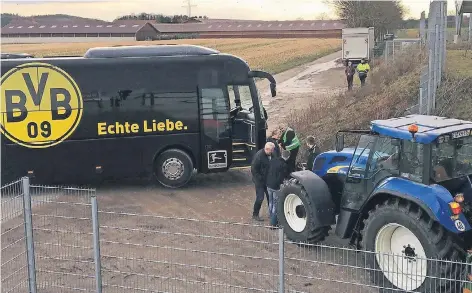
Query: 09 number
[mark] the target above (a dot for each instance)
(34, 129)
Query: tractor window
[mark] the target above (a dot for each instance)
(385, 157)
(411, 164)
(359, 160)
(452, 159)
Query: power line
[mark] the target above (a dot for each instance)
(189, 8)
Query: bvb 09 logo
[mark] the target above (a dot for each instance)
(41, 105)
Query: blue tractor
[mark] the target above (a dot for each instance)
(404, 190)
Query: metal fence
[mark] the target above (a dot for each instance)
(395, 48)
(435, 37)
(67, 243)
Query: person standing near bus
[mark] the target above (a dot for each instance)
(274, 137)
(290, 142)
(259, 170)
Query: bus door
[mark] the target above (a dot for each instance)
(244, 130)
(215, 130)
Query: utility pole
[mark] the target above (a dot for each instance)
(189, 8)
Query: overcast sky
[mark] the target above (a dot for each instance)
(238, 9)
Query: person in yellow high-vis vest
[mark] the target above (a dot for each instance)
(290, 142)
(362, 69)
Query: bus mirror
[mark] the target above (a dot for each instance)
(339, 142)
(273, 89)
(268, 76)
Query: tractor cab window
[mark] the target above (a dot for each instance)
(411, 161)
(452, 159)
(361, 154)
(385, 158)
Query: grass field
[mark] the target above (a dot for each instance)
(273, 55)
(459, 63)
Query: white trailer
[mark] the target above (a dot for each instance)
(358, 43)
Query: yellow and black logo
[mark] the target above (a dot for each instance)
(41, 105)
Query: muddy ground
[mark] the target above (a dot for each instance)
(145, 251)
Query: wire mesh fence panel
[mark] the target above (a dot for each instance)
(322, 268)
(14, 264)
(62, 233)
(148, 253)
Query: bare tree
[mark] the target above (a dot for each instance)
(322, 16)
(383, 15)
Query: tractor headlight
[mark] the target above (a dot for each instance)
(455, 208)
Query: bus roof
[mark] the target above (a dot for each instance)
(149, 51)
(129, 54)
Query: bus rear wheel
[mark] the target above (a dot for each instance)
(173, 168)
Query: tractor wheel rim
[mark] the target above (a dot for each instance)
(401, 256)
(295, 213)
(173, 168)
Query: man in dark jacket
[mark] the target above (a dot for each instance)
(313, 151)
(290, 142)
(274, 138)
(275, 177)
(350, 71)
(259, 170)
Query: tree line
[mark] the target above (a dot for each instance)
(159, 18)
(385, 16)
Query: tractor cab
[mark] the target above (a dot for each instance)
(408, 180)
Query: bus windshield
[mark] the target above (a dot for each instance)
(452, 159)
(245, 97)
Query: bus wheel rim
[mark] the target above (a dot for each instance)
(401, 256)
(173, 168)
(294, 212)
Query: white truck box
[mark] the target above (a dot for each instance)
(357, 43)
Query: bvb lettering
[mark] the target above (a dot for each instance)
(153, 126)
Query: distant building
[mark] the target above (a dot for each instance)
(140, 30)
(226, 28)
(80, 32)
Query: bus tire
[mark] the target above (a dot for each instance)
(400, 226)
(173, 168)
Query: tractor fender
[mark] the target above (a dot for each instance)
(318, 191)
(433, 199)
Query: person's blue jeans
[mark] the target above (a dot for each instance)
(273, 194)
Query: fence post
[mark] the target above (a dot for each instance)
(420, 104)
(470, 27)
(28, 217)
(281, 261)
(96, 244)
(430, 83)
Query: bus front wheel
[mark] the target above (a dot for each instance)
(173, 168)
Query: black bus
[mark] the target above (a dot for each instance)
(130, 111)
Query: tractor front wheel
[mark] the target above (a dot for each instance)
(405, 240)
(296, 213)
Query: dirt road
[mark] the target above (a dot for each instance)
(158, 254)
(303, 85)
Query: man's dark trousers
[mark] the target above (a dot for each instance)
(362, 77)
(261, 190)
(350, 81)
(292, 160)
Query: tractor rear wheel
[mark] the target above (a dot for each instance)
(405, 239)
(295, 212)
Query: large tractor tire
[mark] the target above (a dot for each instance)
(300, 210)
(404, 239)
